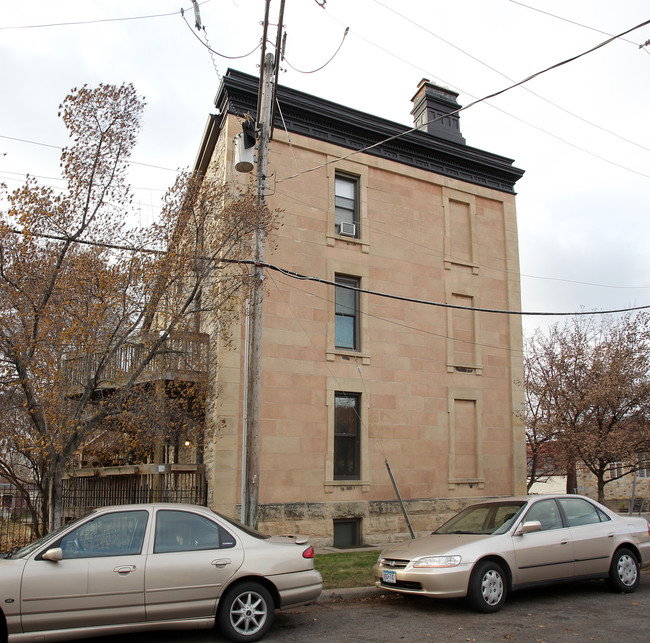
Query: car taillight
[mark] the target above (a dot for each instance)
(308, 553)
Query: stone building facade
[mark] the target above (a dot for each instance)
(621, 486)
(427, 381)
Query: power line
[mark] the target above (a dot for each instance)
(573, 22)
(484, 64)
(58, 147)
(301, 277)
(475, 102)
(213, 51)
(427, 248)
(98, 21)
(313, 71)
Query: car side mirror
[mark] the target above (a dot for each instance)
(529, 527)
(55, 554)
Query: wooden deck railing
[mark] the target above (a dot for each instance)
(183, 356)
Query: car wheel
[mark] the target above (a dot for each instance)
(246, 612)
(488, 587)
(624, 572)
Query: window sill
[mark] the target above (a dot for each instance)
(348, 354)
(346, 485)
(450, 263)
(454, 482)
(465, 369)
(333, 238)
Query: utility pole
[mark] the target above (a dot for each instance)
(268, 81)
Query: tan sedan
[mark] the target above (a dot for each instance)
(494, 547)
(145, 567)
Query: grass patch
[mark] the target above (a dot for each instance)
(348, 569)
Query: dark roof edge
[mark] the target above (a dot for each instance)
(324, 120)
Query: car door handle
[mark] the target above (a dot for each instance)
(124, 569)
(221, 562)
(564, 542)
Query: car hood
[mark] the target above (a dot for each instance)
(432, 545)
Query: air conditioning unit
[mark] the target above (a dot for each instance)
(348, 229)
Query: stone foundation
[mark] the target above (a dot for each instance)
(381, 521)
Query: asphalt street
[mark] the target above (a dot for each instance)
(584, 611)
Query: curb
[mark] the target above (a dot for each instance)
(349, 593)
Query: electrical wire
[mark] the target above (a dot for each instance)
(530, 91)
(58, 147)
(92, 22)
(313, 71)
(213, 51)
(400, 324)
(509, 114)
(472, 104)
(302, 277)
(573, 22)
(426, 248)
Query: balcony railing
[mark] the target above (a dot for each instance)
(182, 357)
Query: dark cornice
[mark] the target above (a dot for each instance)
(326, 121)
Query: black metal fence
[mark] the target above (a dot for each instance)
(16, 524)
(87, 490)
(146, 483)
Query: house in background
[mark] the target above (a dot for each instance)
(352, 380)
(623, 484)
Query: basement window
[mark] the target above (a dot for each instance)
(347, 533)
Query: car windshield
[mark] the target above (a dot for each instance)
(28, 549)
(484, 519)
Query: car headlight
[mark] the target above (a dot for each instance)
(438, 561)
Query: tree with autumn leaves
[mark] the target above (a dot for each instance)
(80, 284)
(587, 387)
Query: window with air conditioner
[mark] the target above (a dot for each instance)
(346, 214)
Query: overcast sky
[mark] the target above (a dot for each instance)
(581, 131)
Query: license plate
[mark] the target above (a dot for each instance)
(389, 576)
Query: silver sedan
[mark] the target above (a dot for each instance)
(495, 547)
(145, 567)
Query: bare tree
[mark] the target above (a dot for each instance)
(80, 288)
(588, 393)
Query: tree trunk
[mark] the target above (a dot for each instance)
(533, 471)
(600, 476)
(55, 504)
(571, 478)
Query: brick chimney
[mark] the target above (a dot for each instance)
(429, 104)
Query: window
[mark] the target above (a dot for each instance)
(548, 514)
(114, 534)
(616, 470)
(580, 512)
(644, 466)
(347, 533)
(346, 211)
(347, 434)
(185, 531)
(347, 313)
